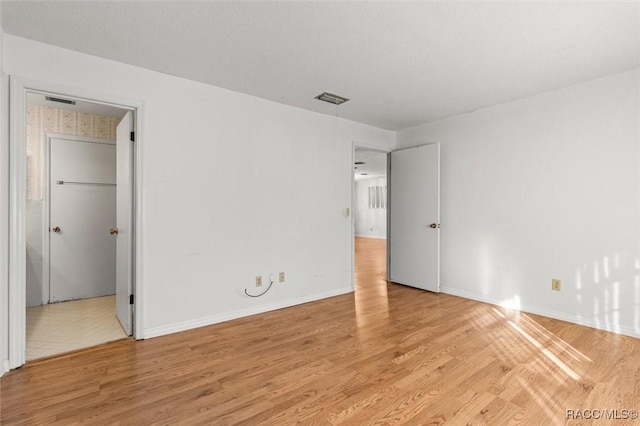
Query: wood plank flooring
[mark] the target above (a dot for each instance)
(387, 354)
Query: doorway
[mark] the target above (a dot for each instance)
(370, 219)
(50, 269)
(409, 203)
(71, 206)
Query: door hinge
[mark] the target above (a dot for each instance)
(132, 136)
(131, 299)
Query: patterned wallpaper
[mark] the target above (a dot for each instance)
(42, 119)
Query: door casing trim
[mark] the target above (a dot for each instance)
(18, 89)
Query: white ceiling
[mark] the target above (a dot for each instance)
(375, 164)
(401, 63)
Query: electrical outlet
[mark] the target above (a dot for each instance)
(556, 284)
(258, 280)
(281, 277)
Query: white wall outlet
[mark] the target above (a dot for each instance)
(281, 277)
(258, 280)
(556, 284)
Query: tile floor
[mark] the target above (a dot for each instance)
(63, 327)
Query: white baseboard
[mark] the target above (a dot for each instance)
(5, 367)
(563, 316)
(227, 316)
(371, 236)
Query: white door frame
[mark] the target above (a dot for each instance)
(46, 236)
(19, 87)
(354, 146)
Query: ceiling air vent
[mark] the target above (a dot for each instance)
(332, 99)
(60, 100)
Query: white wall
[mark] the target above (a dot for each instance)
(233, 186)
(369, 222)
(545, 187)
(35, 247)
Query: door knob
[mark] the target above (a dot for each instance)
(434, 225)
(113, 231)
(56, 229)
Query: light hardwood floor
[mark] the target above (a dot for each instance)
(386, 354)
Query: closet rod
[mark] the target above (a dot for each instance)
(68, 182)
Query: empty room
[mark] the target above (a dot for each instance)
(320, 213)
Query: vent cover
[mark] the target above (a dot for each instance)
(331, 98)
(60, 100)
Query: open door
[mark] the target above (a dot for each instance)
(414, 217)
(124, 220)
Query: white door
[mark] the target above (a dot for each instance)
(414, 217)
(82, 256)
(124, 268)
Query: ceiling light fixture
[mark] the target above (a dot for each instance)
(331, 98)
